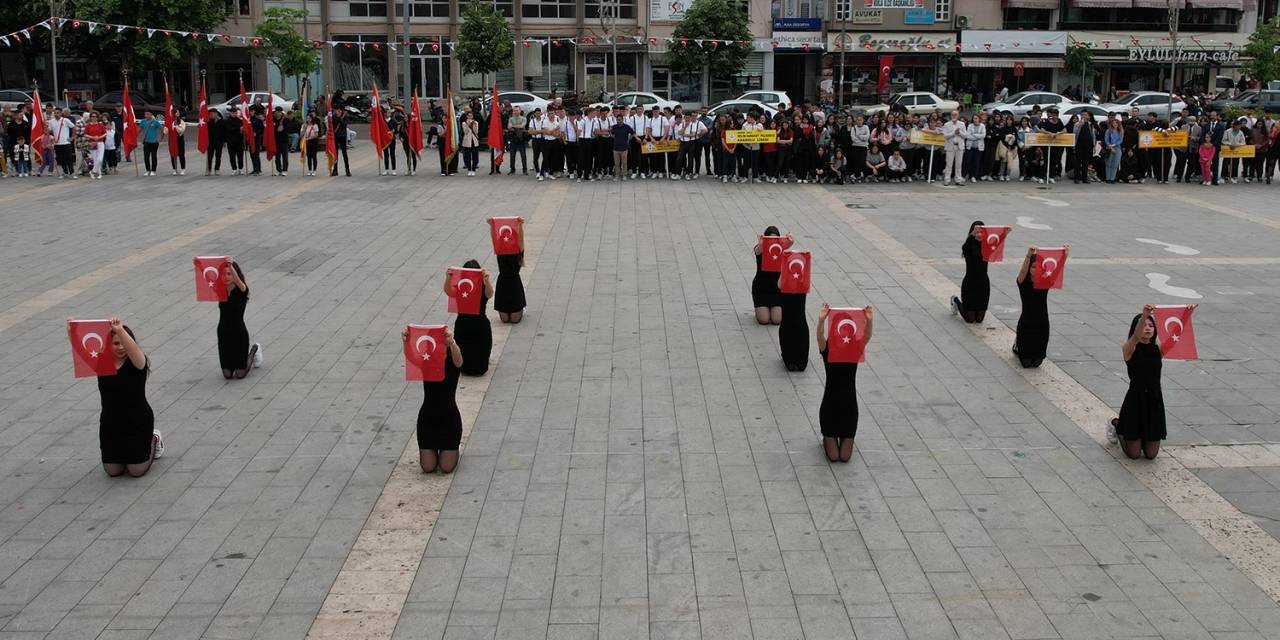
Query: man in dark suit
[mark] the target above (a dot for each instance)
(1215, 129)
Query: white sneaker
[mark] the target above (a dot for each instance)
(183, 172)
(257, 355)
(1111, 431)
(157, 445)
(393, 172)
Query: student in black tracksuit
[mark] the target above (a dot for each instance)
(254, 146)
(233, 133)
(217, 138)
(340, 142)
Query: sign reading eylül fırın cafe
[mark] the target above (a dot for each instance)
(1169, 54)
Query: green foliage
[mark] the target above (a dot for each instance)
(484, 40)
(1265, 63)
(282, 45)
(711, 19)
(1079, 58)
(134, 50)
(1231, 114)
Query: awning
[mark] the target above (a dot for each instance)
(1031, 4)
(993, 62)
(1158, 4)
(1102, 4)
(1238, 5)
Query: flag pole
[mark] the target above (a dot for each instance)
(127, 124)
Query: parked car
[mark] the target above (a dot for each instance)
(1249, 98)
(142, 103)
(771, 98)
(645, 100)
(1021, 103)
(914, 103)
(1075, 110)
(1146, 102)
(523, 99)
(13, 98)
(742, 106)
(278, 101)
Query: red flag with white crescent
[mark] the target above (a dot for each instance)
(211, 278)
(771, 250)
(245, 125)
(1174, 330)
(269, 129)
(795, 277)
(415, 126)
(330, 139)
(170, 121)
(37, 126)
(202, 135)
(846, 334)
(495, 138)
(466, 289)
(424, 353)
(506, 234)
(91, 352)
(1050, 263)
(129, 121)
(993, 242)
(886, 68)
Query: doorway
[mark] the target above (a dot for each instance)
(597, 77)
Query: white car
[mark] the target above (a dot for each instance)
(1021, 103)
(523, 99)
(915, 103)
(1145, 102)
(275, 99)
(644, 100)
(771, 98)
(742, 106)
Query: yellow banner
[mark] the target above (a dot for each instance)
(739, 136)
(662, 146)
(1243, 151)
(1046, 139)
(928, 138)
(1161, 140)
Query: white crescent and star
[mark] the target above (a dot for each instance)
(851, 323)
(506, 232)
(1049, 265)
(211, 278)
(471, 285)
(792, 263)
(84, 342)
(1173, 335)
(993, 239)
(775, 250)
(426, 355)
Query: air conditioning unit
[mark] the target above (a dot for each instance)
(962, 22)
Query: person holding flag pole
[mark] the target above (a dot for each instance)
(302, 140)
(202, 134)
(269, 134)
(36, 139)
(412, 137)
(495, 138)
(378, 134)
(175, 129)
(129, 122)
(448, 145)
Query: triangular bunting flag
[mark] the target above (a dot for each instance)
(184, 33)
(211, 36)
(61, 21)
(46, 24)
(151, 33)
(421, 46)
(392, 46)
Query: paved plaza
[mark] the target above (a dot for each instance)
(638, 463)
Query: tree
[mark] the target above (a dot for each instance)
(484, 40)
(1265, 63)
(139, 50)
(1079, 59)
(711, 20)
(293, 56)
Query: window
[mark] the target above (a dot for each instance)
(357, 68)
(547, 66)
(925, 101)
(503, 6)
(425, 9)
(1026, 19)
(942, 11)
(548, 8)
(626, 9)
(366, 8)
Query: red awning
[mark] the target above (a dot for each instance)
(1102, 4)
(1031, 4)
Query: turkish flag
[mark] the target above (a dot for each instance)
(495, 139)
(37, 126)
(129, 121)
(993, 243)
(1173, 329)
(211, 278)
(269, 129)
(414, 126)
(246, 127)
(506, 235)
(846, 334)
(771, 249)
(330, 141)
(202, 137)
(91, 348)
(795, 275)
(424, 352)
(170, 121)
(886, 67)
(466, 287)
(1051, 263)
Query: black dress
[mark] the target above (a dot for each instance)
(764, 287)
(439, 423)
(124, 432)
(838, 415)
(1142, 414)
(508, 293)
(233, 336)
(975, 289)
(793, 333)
(474, 336)
(1033, 325)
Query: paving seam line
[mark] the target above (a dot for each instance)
(370, 591)
(1235, 535)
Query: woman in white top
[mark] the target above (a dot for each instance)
(975, 144)
(178, 131)
(470, 143)
(310, 136)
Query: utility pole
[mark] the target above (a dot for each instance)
(1173, 62)
(608, 20)
(843, 45)
(53, 44)
(404, 57)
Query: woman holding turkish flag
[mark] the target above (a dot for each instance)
(764, 287)
(838, 414)
(508, 297)
(975, 289)
(472, 331)
(235, 355)
(1032, 341)
(1141, 424)
(126, 434)
(439, 421)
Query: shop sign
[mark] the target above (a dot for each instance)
(797, 39)
(797, 24)
(866, 16)
(1169, 54)
(892, 4)
(740, 136)
(892, 41)
(919, 15)
(667, 10)
(1162, 140)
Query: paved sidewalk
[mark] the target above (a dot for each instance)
(640, 465)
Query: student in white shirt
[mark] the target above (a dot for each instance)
(655, 129)
(674, 120)
(570, 130)
(636, 122)
(63, 128)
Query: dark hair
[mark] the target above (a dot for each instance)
(1133, 326)
(146, 366)
(975, 225)
(471, 264)
(240, 274)
(771, 230)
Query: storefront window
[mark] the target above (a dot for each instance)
(548, 8)
(1019, 19)
(626, 9)
(1138, 19)
(364, 8)
(548, 66)
(476, 82)
(425, 9)
(359, 65)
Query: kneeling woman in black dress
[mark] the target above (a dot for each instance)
(975, 289)
(1032, 341)
(472, 331)
(127, 434)
(1141, 425)
(508, 296)
(235, 354)
(764, 287)
(838, 414)
(439, 422)
(793, 331)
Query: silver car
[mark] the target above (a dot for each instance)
(1021, 103)
(1146, 102)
